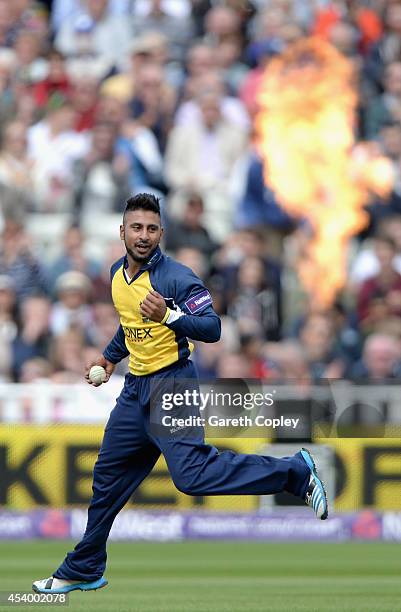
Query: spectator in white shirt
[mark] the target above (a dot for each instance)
(54, 145)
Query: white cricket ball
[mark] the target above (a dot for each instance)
(97, 374)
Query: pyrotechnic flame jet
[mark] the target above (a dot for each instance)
(305, 128)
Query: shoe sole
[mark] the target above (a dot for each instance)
(310, 462)
(75, 587)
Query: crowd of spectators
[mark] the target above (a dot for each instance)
(102, 99)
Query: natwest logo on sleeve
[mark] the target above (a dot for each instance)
(197, 302)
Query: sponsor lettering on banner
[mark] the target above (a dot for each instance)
(280, 526)
(51, 466)
(133, 525)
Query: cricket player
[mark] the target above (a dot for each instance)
(161, 305)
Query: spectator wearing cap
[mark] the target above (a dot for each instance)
(95, 33)
(72, 310)
(66, 9)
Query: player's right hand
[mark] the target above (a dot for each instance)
(101, 361)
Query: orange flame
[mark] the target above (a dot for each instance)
(305, 128)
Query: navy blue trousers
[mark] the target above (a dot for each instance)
(132, 445)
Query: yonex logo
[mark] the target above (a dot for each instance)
(137, 334)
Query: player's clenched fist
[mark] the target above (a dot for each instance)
(153, 307)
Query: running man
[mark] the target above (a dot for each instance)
(162, 303)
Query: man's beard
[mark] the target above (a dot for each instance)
(139, 258)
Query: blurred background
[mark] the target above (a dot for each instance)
(103, 99)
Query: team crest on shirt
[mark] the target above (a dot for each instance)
(144, 319)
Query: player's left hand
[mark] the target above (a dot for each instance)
(153, 307)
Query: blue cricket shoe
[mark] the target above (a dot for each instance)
(315, 496)
(56, 585)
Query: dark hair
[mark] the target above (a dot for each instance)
(143, 201)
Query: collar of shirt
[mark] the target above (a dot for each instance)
(150, 263)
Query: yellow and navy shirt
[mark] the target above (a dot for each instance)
(152, 346)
